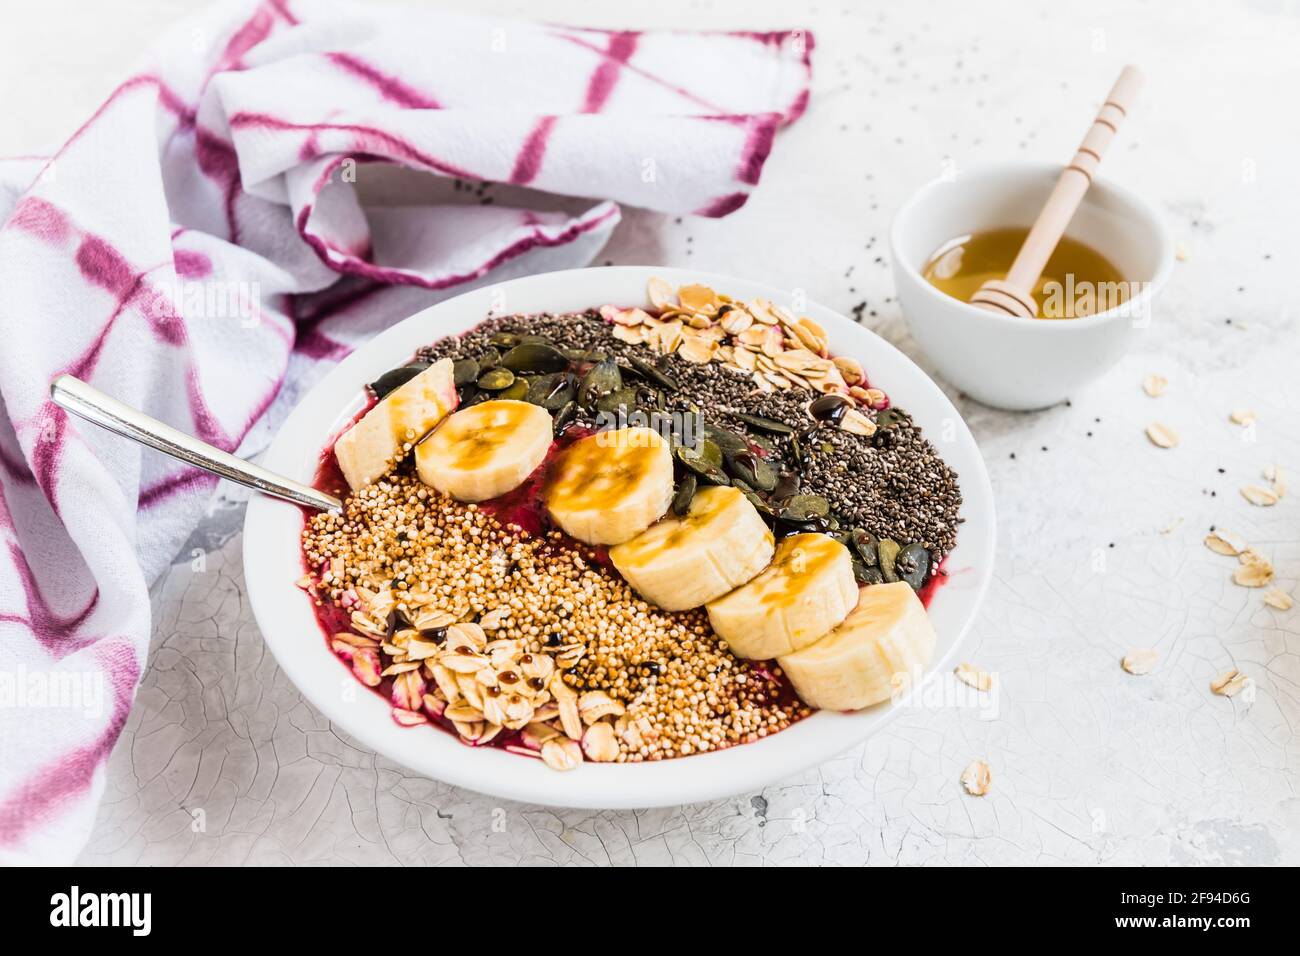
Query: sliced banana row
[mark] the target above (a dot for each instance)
(842, 648)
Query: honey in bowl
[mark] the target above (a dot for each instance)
(1077, 281)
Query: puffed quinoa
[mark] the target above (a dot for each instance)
(502, 636)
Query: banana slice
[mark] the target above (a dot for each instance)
(803, 594)
(854, 666)
(400, 419)
(609, 487)
(485, 450)
(680, 563)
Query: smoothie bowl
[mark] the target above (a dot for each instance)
(645, 527)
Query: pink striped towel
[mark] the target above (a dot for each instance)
(198, 249)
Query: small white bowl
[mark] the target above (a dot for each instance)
(1022, 364)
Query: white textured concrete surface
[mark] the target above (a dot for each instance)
(1091, 765)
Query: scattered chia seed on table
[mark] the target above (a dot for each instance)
(894, 484)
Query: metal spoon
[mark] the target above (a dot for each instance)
(90, 403)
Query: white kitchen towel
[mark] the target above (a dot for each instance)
(198, 248)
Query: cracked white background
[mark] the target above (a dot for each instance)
(1090, 765)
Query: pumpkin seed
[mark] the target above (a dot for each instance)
(865, 575)
(624, 398)
(714, 476)
(769, 425)
(489, 358)
(685, 492)
(517, 392)
(652, 374)
(753, 470)
(866, 546)
(888, 552)
(534, 357)
(913, 565)
(786, 485)
(565, 391)
(701, 459)
(804, 507)
(464, 371)
(728, 441)
(539, 387)
(567, 414)
(887, 417)
(787, 524)
(395, 378)
(601, 379)
(496, 379)
(552, 391)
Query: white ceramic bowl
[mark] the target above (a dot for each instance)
(273, 562)
(1014, 363)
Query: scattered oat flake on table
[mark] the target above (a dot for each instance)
(1182, 252)
(1155, 385)
(1172, 526)
(1260, 496)
(1229, 683)
(1162, 436)
(1273, 475)
(1242, 416)
(1141, 661)
(972, 676)
(1255, 574)
(1225, 543)
(977, 778)
(1276, 597)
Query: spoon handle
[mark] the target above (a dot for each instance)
(90, 403)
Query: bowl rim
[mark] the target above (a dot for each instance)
(273, 564)
(1011, 168)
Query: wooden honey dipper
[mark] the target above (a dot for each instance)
(1014, 295)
